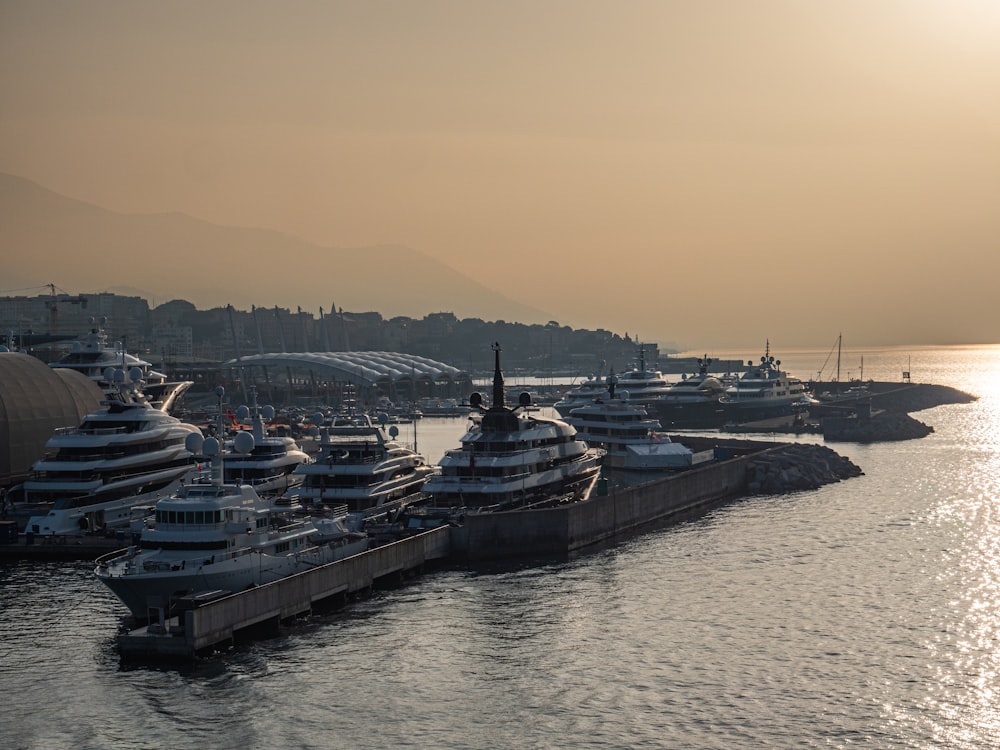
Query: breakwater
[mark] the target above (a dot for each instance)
(742, 468)
(217, 619)
(892, 397)
(797, 467)
(879, 413)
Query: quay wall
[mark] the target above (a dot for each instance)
(602, 518)
(219, 621)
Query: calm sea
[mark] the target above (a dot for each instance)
(864, 614)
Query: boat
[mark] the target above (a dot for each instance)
(693, 402)
(441, 407)
(510, 458)
(216, 536)
(269, 467)
(362, 465)
(94, 357)
(644, 386)
(125, 454)
(764, 391)
(630, 438)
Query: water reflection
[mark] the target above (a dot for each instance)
(962, 705)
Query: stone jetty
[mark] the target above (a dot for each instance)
(795, 467)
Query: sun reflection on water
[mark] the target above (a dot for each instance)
(961, 706)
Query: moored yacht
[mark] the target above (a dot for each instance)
(629, 436)
(512, 459)
(644, 386)
(123, 455)
(93, 356)
(764, 391)
(215, 536)
(269, 467)
(362, 465)
(693, 401)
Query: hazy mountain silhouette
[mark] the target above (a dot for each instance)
(83, 249)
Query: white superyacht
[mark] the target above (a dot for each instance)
(126, 454)
(512, 458)
(215, 536)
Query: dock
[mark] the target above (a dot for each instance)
(215, 620)
(199, 623)
(615, 511)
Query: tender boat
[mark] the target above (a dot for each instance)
(216, 536)
(764, 391)
(126, 454)
(510, 459)
(629, 436)
(270, 467)
(93, 356)
(362, 465)
(644, 386)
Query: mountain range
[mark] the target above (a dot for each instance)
(84, 249)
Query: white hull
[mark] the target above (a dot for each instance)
(155, 583)
(111, 514)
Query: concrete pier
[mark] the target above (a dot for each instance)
(601, 519)
(614, 512)
(218, 621)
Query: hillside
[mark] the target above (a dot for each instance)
(82, 248)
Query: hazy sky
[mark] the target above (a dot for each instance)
(699, 172)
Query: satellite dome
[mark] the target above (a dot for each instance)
(243, 442)
(194, 442)
(210, 447)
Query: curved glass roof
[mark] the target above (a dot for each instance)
(369, 367)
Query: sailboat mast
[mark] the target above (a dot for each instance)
(840, 338)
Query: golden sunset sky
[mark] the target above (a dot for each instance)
(705, 173)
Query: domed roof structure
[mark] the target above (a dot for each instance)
(35, 401)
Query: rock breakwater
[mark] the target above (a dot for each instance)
(912, 397)
(796, 467)
(878, 428)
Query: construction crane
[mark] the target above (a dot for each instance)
(52, 305)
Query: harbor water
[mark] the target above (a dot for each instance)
(862, 614)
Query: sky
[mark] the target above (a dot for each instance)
(704, 173)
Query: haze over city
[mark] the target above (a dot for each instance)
(709, 174)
